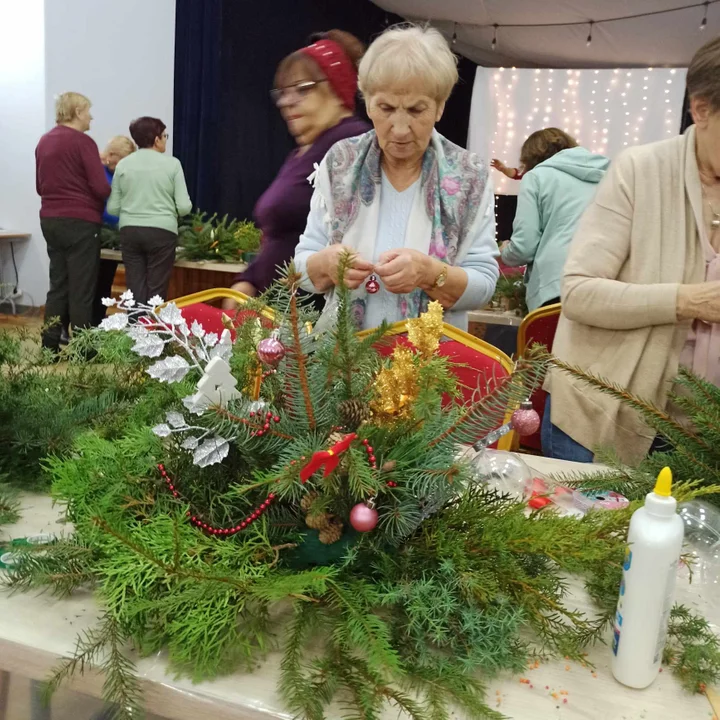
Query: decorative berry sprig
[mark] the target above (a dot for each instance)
(266, 425)
(210, 529)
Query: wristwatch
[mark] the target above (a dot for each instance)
(441, 279)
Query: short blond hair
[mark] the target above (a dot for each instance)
(67, 106)
(121, 144)
(408, 54)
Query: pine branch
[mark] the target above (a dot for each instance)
(121, 687)
(255, 426)
(9, 506)
(297, 350)
(657, 418)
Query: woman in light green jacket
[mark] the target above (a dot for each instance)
(149, 194)
(559, 182)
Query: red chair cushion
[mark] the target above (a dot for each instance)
(477, 374)
(539, 332)
(211, 318)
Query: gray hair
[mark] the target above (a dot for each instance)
(408, 54)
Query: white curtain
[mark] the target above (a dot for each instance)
(605, 110)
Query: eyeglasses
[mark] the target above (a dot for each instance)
(294, 92)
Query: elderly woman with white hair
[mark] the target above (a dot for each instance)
(415, 210)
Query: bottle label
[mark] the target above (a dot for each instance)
(667, 607)
(628, 559)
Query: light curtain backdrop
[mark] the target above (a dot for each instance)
(605, 110)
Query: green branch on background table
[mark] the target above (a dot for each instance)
(510, 294)
(217, 240)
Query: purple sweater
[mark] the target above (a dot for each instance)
(282, 210)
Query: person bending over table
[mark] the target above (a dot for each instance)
(641, 288)
(315, 91)
(148, 194)
(415, 210)
(559, 183)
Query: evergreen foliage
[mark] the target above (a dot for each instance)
(43, 407)
(217, 239)
(693, 446)
(454, 584)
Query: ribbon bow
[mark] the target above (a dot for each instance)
(327, 458)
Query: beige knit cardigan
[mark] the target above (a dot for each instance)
(636, 243)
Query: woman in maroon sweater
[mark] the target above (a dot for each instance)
(73, 187)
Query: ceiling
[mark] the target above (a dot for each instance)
(667, 40)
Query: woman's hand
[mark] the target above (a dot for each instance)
(403, 270)
(699, 302)
(323, 268)
(504, 169)
(244, 287)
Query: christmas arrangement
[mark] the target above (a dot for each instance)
(276, 488)
(218, 240)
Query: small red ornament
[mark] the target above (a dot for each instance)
(363, 517)
(270, 351)
(525, 419)
(372, 285)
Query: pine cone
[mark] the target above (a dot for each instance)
(353, 412)
(332, 533)
(307, 501)
(318, 522)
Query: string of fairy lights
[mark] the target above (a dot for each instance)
(702, 5)
(606, 111)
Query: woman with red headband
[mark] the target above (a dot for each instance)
(315, 91)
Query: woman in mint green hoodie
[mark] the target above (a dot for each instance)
(559, 182)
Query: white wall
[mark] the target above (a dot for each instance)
(120, 53)
(22, 121)
(606, 110)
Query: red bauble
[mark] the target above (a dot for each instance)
(525, 419)
(372, 285)
(270, 351)
(363, 517)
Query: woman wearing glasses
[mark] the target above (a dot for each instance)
(315, 91)
(148, 195)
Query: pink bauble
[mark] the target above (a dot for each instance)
(372, 285)
(363, 518)
(270, 351)
(525, 419)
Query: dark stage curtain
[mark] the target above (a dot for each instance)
(230, 137)
(198, 34)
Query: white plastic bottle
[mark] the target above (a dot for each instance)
(647, 590)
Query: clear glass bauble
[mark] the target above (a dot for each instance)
(702, 524)
(504, 472)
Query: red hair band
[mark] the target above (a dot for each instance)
(337, 67)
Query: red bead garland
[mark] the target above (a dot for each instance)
(197, 522)
(369, 450)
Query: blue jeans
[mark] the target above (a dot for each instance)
(559, 445)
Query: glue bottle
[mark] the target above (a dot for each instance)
(647, 589)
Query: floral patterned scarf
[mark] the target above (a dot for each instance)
(443, 220)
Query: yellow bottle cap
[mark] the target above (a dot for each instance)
(663, 485)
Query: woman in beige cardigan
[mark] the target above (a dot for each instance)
(641, 288)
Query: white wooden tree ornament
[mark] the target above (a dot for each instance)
(217, 386)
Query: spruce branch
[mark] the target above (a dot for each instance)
(297, 351)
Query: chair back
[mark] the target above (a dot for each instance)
(477, 365)
(537, 328)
